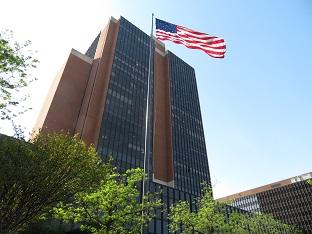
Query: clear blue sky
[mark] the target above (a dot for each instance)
(256, 103)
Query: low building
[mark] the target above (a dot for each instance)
(288, 200)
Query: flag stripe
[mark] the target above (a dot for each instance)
(212, 45)
(193, 31)
(209, 51)
(194, 35)
(193, 45)
(215, 44)
(220, 47)
(190, 45)
(209, 40)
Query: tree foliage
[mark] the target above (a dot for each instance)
(257, 223)
(113, 208)
(36, 175)
(212, 217)
(208, 219)
(16, 61)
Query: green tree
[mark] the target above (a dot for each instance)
(36, 175)
(208, 219)
(265, 223)
(16, 62)
(238, 223)
(257, 224)
(211, 217)
(113, 208)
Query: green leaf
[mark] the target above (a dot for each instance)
(16, 63)
(113, 207)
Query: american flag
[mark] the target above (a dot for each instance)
(212, 45)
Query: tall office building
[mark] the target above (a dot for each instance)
(288, 200)
(102, 96)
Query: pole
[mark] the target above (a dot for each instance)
(147, 140)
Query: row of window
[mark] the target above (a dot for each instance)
(189, 150)
(122, 130)
(291, 204)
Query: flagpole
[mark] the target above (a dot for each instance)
(147, 140)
